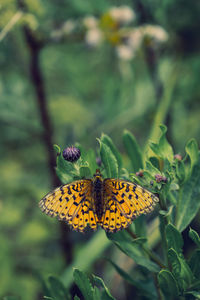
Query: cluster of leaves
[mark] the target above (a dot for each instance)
(179, 192)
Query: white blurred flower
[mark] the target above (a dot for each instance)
(155, 32)
(125, 52)
(90, 22)
(68, 27)
(94, 37)
(134, 38)
(56, 34)
(122, 14)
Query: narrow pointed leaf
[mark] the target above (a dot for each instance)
(106, 295)
(189, 199)
(174, 238)
(194, 263)
(133, 150)
(84, 284)
(192, 150)
(163, 149)
(107, 140)
(109, 161)
(180, 170)
(144, 287)
(180, 269)
(194, 236)
(133, 250)
(168, 284)
(57, 289)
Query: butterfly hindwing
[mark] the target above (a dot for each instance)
(71, 203)
(131, 199)
(113, 219)
(85, 215)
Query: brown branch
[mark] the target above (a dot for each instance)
(35, 46)
(152, 64)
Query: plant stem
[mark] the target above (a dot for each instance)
(160, 296)
(147, 250)
(163, 223)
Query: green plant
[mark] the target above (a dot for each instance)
(168, 274)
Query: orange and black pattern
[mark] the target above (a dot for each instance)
(110, 203)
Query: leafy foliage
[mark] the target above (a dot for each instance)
(177, 275)
(87, 90)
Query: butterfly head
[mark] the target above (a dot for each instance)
(97, 174)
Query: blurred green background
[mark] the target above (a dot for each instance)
(58, 85)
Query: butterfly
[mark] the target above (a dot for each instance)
(110, 203)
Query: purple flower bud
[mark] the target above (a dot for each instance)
(140, 173)
(71, 154)
(178, 157)
(160, 178)
(98, 161)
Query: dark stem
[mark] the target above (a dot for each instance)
(163, 223)
(35, 46)
(151, 59)
(159, 293)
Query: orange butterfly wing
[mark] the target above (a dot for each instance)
(72, 203)
(123, 202)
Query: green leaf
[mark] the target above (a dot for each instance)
(180, 170)
(76, 297)
(97, 294)
(163, 149)
(151, 169)
(140, 227)
(88, 158)
(57, 149)
(133, 150)
(84, 284)
(57, 289)
(106, 293)
(194, 236)
(133, 250)
(174, 238)
(168, 284)
(180, 269)
(189, 199)
(109, 161)
(85, 172)
(194, 263)
(192, 150)
(154, 161)
(107, 140)
(145, 287)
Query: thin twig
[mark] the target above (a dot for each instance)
(35, 46)
(17, 16)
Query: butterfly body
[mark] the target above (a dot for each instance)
(97, 187)
(110, 203)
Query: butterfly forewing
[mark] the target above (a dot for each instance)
(124, 201)
(72, 203)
